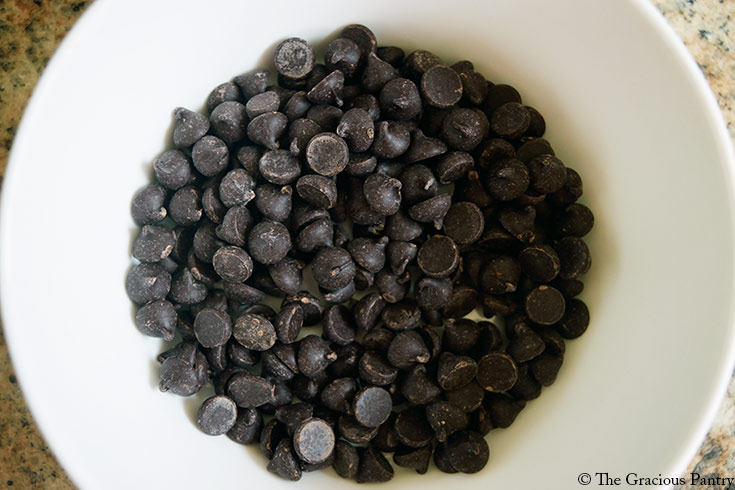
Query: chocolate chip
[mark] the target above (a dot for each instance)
(343, 54)
(431, 210)
(406, 349)
(575, 321)
(288, 322)
(254, 332)
(253, 82)
(313, 308)
(419, 62)
(401, 315)
(463, 129)
(172, 169)
(576, 221)
(415, 459)
(247, 427)
(571, 191)
(454, 372)
(510, 120)
(441, 459)
(346, 460)
(148, 205)
(235, 225)
(185, 206)
(284, 463)
(274, 202)
(383, 194)
(242, 293)
(412, 428)
(423, 147)
(157, 319)
(400, 255)
(300, 132)
(463, 300)
(401, 227)
(445, 419)
(249, 391)
(508, 179)
(497, 372)
(454, 165)
(438, 256)
(147, 282)
(399, 99)
(189, 127)
(279, 167)
(525, 344)
(294, 58)
(328, 90)
(441, 86)
(217, 415)
(374, 468)
(391, 54)
(154, 243)
(574, 257)
(266, 129)
(461, 335)
(297, 107)
(498, 95)
(375, 369)
(357, 129)
(273, 433)
(547, 173)
(376, 74)
(464, 223)
(503, 409)
(468, 398)
(362, 36)
(352, 431)
(545, 305)
(474, 87)
(372, 406)
(269, 242)
(470, 189)
(391, 139)
(418, 184)
(539, 262)
(326, 116)
(545, 367)
(467, 451)
(229, 121)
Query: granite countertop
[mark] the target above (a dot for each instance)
(31, 30)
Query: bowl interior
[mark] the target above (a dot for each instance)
(628, 112)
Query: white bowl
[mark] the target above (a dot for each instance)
(625, 105)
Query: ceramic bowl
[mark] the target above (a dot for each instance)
(625, 105)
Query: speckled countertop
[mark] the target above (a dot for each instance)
(30, 30)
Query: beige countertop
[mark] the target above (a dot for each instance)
(30, 30)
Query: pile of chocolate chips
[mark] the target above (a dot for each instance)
(413, 194)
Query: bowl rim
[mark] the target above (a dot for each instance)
(655, 20)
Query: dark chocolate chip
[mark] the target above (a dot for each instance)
(467, 451)
(254, 332)
(445, 419)
(294, 58)
(217, 415)
(464, 223)
(413, 429)
(441, 86)
(284, 463)
(414, 458)
(454, 372)
(189, 127)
